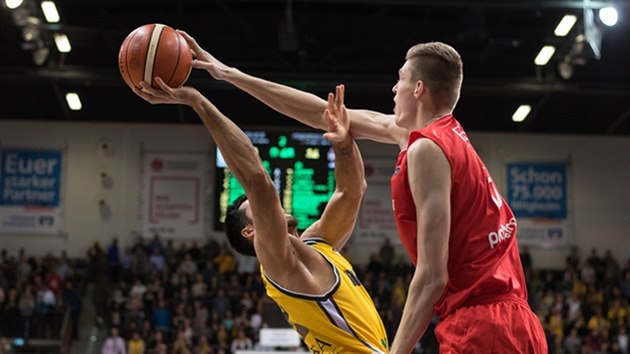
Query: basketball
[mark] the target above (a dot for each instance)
(154, 50)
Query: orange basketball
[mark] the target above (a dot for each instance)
(154, 50)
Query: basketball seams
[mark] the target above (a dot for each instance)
(123, 58)
(125, 64)
(179, 54)
(152, 50)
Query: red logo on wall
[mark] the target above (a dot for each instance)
(157, 165)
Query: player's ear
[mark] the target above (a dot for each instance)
(419, 89)
(248, 231)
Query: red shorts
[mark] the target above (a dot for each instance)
(505, 327)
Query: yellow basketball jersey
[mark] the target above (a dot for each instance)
(344, 320)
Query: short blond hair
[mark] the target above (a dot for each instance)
(440, 67)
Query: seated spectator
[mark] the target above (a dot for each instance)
(187, 267)
(225, 261)
(180, 346)
(136, 344)
(138, 288)
(199, 288)
(157, 260)
(157, 345)
(241, 342)
(202, 347)
(162, 316)
(156, 245)
(114, 344)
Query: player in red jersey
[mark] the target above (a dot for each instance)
(456, 227)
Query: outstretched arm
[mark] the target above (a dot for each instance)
(339, 217)
(299, 105)
(271, 241)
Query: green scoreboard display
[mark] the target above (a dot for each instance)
(301, 165)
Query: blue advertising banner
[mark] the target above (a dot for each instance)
(30, 177)
(537, 190)
(30, 186)
(537, 194)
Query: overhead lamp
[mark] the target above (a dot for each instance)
(50, 11)
(608, 16)
(30, 31)
(521, 113)
(40, 53)
(13, 4)
(565, 68)
(544, 55)
(63, 43)
(565, 25)
(73, 100)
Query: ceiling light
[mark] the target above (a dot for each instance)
(521, 113)
(50, 11)
(30, 31)
(565, 68)
(63, 43)
(74, 102)
(13, 4)
(545, 54)
(565, 25)
(608, 16)
(40, 54)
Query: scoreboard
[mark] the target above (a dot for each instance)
(301, 165)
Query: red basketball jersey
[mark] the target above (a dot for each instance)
(483, 253)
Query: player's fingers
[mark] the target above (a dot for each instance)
(332, 103)
(337, 97)
(331, 120)
(191, 41)
(147, 89)
(164, 86)
(340, 92)
(142, 95)
(147, 97)
(199, 64)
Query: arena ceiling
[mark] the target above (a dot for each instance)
(315, 44)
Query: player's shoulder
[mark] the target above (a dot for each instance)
(423, 146)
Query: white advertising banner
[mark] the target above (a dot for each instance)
(30, 188)
(174, 192)
(376, 218)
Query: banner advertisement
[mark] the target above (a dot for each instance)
(537, 194)
(173, 194)
(30, 188)
(376, 218)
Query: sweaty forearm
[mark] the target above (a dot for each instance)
(349, 170)
(236, 148)
(299, 105)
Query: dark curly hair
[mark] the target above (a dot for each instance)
(235, 221)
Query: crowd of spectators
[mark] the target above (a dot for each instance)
(584, 308)
(157, 298)
(36, 293)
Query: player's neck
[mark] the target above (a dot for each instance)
(433, 117)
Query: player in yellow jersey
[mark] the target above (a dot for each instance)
(305, 274)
